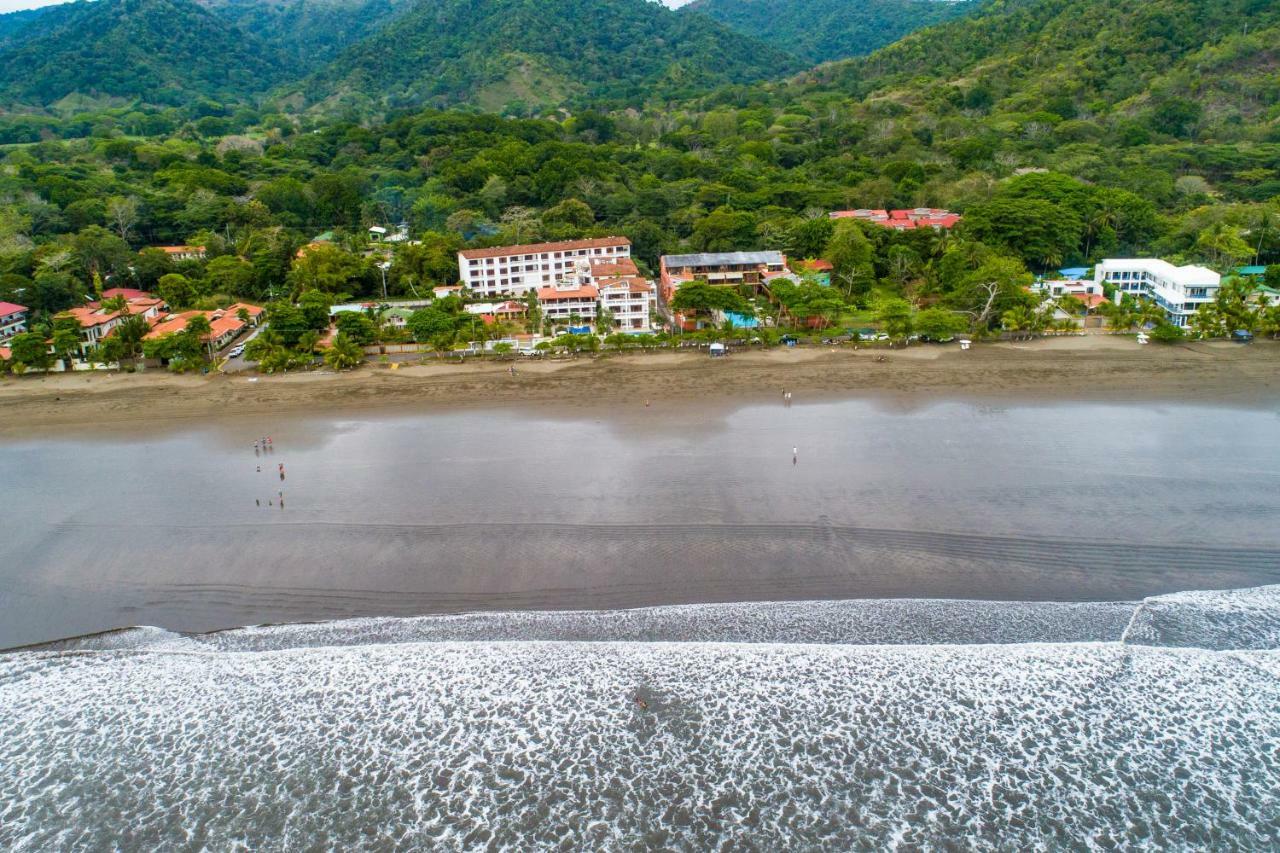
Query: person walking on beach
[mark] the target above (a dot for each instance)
(795, 455)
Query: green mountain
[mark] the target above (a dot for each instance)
(1182, 68)
(15, 27)
(496, 54)
(822, 30)
(157, 51)
(308, 33)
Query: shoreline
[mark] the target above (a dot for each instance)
(1090, 368)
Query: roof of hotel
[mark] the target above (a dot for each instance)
(633, 283)
(11, 308)
(535, 248)
(549, 294)
(711, 259)
(1186, 275)
(178, 250)
(605, 267)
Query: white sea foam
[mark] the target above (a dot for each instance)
(862, 622)
(516, 731)
(1211, 619)
(534, 745)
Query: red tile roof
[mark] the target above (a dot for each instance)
(11, 308)
(633, 283)
(254, 310)
(536, 248)
(90, 315)
(127, 293)
(606, 267)
(551, 294)
(903, 219)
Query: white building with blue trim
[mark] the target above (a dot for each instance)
(1180, 291)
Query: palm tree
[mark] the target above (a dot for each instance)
(343, 353)
(1120, 317)
(1019, 319)
(115, 304)
(1102, 218)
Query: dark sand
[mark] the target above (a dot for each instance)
(1076, 368)
(600, 507)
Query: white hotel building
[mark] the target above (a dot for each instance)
(515, 270)
(1180, 291)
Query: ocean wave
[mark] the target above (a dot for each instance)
(856, 622)
(623, 745)
(1209, 619)
(1245, 619)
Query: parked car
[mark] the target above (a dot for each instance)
(236, 351)
(1242, 336)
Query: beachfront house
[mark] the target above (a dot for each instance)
(225, 324)
(1180, 291)
(97, 322)
(13, 320)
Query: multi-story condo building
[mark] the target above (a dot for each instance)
(629, 300)
(13, 320)
(1180, 291)
(731, 269)
(569, 298)
(515, 270)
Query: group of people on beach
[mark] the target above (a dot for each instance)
(786, 402)
(261, 446)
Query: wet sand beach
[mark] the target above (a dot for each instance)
(397, 513)
(1100, 368)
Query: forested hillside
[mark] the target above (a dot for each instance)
(1185, 68)
(157, 51)
(308, 33)
(519, 54)
(1057, 137)
(14, 25)
(822, 30)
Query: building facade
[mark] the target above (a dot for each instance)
(569, 298)
(629, 300)
(1180, 291)
(13, 320)
(515, 270)
(728, 269)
